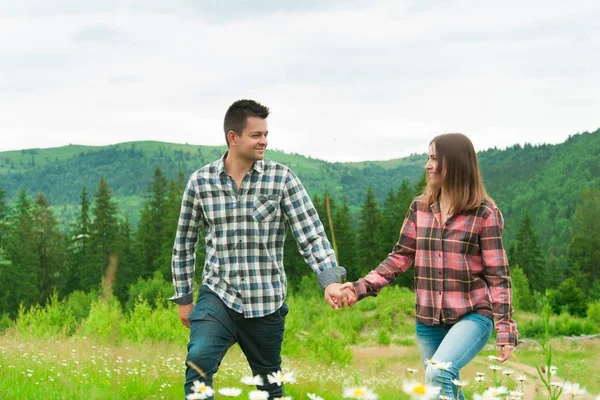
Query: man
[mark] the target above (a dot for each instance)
(244, 203)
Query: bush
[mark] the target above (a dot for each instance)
(151, 290)
(593, 313)
(52, 320)
(79, 303)
(568, 297)
(161, 324)
(103, 321)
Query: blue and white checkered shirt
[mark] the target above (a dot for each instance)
(245, 232)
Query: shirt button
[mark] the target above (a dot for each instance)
(439, 272)
(439, 255)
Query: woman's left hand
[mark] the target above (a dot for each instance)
(504, 352)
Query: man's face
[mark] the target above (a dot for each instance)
(252, 143)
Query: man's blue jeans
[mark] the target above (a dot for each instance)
(458, 344)
(215, 328)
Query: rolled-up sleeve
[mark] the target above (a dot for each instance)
(396, 263)
(183, 264)
(303, 220)
(497, 276)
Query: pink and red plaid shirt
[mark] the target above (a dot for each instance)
(460, 268)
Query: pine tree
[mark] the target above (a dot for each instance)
(50, 250)
(346, 240)
(151, 228)
(103, 236)
(369, 234)
(526, 253)
(79, 254)
(127, 271)
(584, 247)
(20, 277)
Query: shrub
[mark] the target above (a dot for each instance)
(151, 290)
(52, 320)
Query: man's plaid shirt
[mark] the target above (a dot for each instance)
(245, 232)
(460, 268)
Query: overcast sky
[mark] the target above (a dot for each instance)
(345, 80)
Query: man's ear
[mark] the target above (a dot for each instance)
(231, 137)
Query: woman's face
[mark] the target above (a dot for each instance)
(432, 166)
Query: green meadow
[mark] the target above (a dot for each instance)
(55, 352)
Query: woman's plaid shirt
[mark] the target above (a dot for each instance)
(460, 268)
(245, 232)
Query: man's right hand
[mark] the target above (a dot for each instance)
(350, 293)
(184, 311)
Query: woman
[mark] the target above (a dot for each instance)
(453, 233)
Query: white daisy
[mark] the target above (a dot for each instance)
(359, 392)
(480, 373)
(252, 380)
(418, 390)
(200, 387)
(280, 377)
(411, 370)
(553, 369)
(521, 378)
(444, 366)
(573, 389)
(480, 378)
(458, 383)
(507, 372)
(313, 396)
(495, 368)
(258, 395)
(230, 392)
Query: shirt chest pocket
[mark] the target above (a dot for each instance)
(266, 207)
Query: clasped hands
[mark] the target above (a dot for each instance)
(341, 295)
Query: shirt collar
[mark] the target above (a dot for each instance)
(258, 165)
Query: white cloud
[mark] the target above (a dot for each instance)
(370, 80)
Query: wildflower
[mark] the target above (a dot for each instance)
(411, 370)
(313, 396)
(442, 397)
(458, 383)
(258, 395)
(418, 390)
(444, 366)
(495, 368)
(491, 393)
(360, 392)
(553, 369)
(200, 387)
(195, 396)
(572, 389)
(230, 392)
(516, 394)
(480, 378)
(280, 377)
(507, 372)
(492, 358)
(521, 378)
(283, 398)
(480, 373)
(252, 381)
(556, 384)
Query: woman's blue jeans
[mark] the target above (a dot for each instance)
(458, 344)
(215, 328)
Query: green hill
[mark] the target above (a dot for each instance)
(545, 179)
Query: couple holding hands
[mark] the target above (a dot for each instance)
(245, 204)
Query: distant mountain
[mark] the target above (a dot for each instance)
(545, 179)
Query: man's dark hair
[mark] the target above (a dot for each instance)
(237, 114)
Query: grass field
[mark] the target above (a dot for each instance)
(111, 354)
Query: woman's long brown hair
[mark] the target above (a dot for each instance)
(459, 169)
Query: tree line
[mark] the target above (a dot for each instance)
(38, 257)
